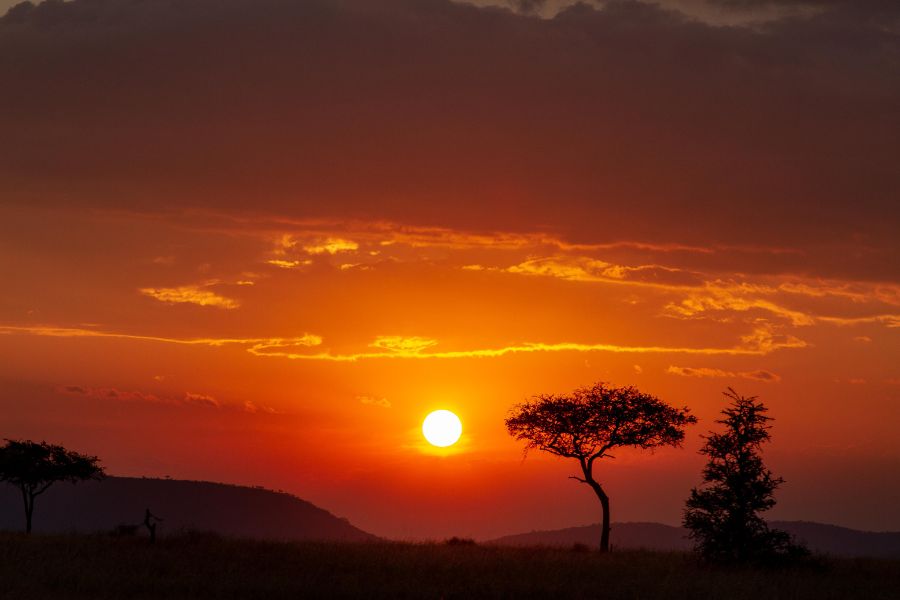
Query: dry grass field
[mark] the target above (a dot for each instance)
(207, 566)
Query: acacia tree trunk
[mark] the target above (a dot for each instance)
(604, 502)
(28, 500)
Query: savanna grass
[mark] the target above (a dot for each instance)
(207, 566)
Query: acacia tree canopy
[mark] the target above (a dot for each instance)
(34, 466)
(592, 421)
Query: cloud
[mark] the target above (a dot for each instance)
(190, 294)
(714, 113)
(305, 340)
(889, 321)
(719, 297)
(407, 345)
(286, 264)
(201, 400)
(760, 375)
(580, 268)
(106, 393)
(702, 296)
(331, 246)
(373, 401)
(188, 399)
(761, 341)
(75, 389)
(254, 408)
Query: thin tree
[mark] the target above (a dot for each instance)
(723, 516)
(34, 466)
(593, 421)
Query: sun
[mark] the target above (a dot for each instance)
(442, 428)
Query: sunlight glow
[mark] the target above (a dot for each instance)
(442, 428)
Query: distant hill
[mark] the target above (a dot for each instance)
(184, 505)
(828, 539)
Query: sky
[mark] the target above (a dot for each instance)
(257, 241)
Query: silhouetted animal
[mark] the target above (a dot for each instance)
(150, 521)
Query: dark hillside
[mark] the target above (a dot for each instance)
(184, 505)
(826, 539)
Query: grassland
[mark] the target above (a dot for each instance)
(204, 566)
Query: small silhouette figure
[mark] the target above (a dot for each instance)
(150, 521)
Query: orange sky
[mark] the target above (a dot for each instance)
(267, 268)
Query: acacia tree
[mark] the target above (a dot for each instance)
(592, 421)
(33, 467)
(723, 517)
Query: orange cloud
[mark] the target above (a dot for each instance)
(890, 321)
(306, 340)
(395, 343)
(719, 297)
(201, 400)
(881, 292)
(761, 375)
(252, 407)
(331, 245)
(104, 393)
(760, 341)
(373, 401)
(585, 269)
(287, 264)
(190, 294)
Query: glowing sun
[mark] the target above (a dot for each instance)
(442, 428)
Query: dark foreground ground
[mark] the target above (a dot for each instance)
(201, 566)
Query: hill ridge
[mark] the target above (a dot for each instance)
(820, 537)
(225, 508)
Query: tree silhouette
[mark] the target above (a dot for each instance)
(591, 422)
(723, 517)
(33, 467)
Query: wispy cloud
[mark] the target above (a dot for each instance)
(187, 399)
(201, 400)
(762, 340)
(288, 264)
(586, 269)
(889, 321)
(305, 340)
(190, 294)
(331, 245)
(254, 408)
(760, 375)
(111, 393)
(721, 297)
(373, 401)
(396, 343)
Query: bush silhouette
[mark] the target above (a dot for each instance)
(723, 517)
